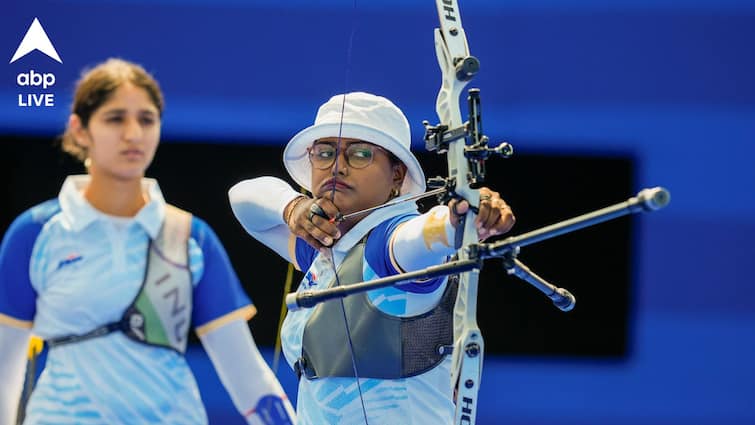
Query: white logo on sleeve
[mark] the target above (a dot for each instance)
(36, 39)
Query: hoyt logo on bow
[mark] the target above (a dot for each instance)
(449, 10)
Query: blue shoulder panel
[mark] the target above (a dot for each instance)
(305, 254)
(219, 291)
(377, 255)
(17, 296)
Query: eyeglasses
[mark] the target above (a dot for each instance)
(358, 155)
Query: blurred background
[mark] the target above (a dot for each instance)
(599, 100)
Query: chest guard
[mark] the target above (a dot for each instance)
(160, 313)
(385, 346)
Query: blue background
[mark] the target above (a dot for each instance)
(669, 83)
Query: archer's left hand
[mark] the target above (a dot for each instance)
(493, 218)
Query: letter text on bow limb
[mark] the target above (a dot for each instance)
(458, 67)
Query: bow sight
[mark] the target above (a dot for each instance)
(476, 149)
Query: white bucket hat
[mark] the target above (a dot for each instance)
(361, 116)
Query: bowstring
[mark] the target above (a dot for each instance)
(332, 199)
(286, 289)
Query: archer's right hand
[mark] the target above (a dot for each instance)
(312, 220)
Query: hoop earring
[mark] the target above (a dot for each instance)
(395, 192)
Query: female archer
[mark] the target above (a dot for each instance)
(381, 357)
(111, 276)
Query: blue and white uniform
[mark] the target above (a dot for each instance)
(415, 400)
(419, 400)
(66, 268)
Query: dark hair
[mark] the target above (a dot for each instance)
(97, 85)
(393, 158)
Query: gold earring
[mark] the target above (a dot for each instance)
(395, 192)
(88, 162)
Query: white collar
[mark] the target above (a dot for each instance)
(79, 213)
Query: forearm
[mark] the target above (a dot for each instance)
(259, 203)
(423, 241)
(13, 347)
(253, 387)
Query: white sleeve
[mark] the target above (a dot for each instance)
(423, 241)
(14, 343)
(253, 387)
(258, 205)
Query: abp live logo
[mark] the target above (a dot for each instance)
(35, 39)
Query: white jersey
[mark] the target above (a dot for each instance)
(66, 269)
(422, 399)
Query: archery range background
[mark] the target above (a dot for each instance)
(599, 102)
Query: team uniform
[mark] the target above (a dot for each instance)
(66, 269)
(421, 399)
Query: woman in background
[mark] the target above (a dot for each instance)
(111, 276)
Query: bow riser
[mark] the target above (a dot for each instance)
(453, 55)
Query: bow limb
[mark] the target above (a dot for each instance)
(458, 67)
